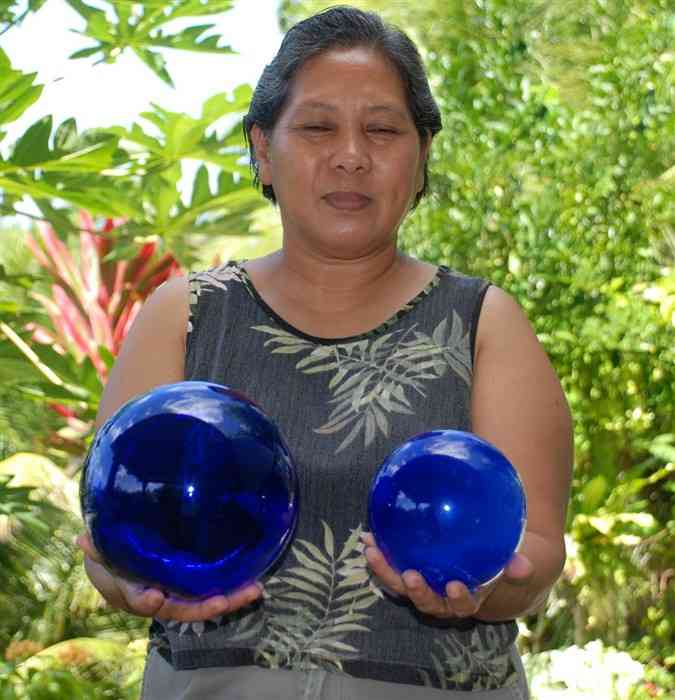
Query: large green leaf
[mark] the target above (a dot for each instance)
(87, 169)
(66, 151)
(177, 137)
(156, 62)
(94, 197)
(141, 27)
(33, 147)
(17, 91)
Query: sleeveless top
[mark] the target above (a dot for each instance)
(342, 405)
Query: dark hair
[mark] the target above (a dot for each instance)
(340, 27)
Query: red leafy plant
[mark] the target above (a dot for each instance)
(94, 300)
(94, 303)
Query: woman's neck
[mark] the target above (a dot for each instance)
(337, 298)
(327, 285)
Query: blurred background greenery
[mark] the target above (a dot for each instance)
(553, 176)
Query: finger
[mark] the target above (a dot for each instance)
(422, 596)
(140, 599)
(380, 567)
(182, 610)
(84, 542)
(460, 600)
(368, 539)
(243, 597)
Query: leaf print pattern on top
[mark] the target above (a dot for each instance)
(373, 379)
(360, 394)
(474, 664)
(208, 281)
(316, 603)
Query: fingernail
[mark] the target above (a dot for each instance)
(371, 554)
(411, 580)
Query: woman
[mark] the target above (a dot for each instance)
(352, 348)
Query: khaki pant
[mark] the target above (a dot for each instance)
(162, 682)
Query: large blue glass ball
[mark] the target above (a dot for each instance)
(449, 505)
(190, 488)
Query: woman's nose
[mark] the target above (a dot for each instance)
(351, 152)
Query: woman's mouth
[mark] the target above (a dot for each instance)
(348, 201)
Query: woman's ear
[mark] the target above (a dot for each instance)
(261, 148)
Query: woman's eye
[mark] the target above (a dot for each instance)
(315, 127)
(382, 130)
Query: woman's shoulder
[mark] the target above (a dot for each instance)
(216, 277)
(461, 278)
(504, 323)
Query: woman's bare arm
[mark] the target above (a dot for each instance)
(519, 406)
(153, 354)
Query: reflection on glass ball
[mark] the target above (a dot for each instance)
(449, 505)
(190, 488)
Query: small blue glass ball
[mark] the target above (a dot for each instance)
(190, 488)
(450, 505)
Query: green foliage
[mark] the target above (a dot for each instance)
(14, 12)
(78, 668)
(134, 173)
(89, 305)
(221, 198)
(81, 292)
(553, 177)
(22, 423)
(17, 92)
(139, 26)
(27, 527)
(45, 596)
(47, 163)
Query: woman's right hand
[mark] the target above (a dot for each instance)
(138, 599)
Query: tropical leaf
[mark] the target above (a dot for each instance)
(307, 561)
(177, 136)
(314, 551)
(246, 628)
(314, 634)
(352, 544)
(308, 574)
(302, 585)
(143, 26)
(92, 305)
(17, 90)
(472, 662)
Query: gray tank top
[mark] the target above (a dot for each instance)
(343, 405)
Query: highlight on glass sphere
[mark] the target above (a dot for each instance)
(450, 505)
(190, 488)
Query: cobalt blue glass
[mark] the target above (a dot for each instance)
(190, 488)
(450, 505)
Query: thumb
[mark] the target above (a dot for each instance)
(84, 542)
(519, 570)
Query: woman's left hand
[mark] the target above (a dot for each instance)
(459, 600)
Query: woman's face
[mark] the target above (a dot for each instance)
(344, 158)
